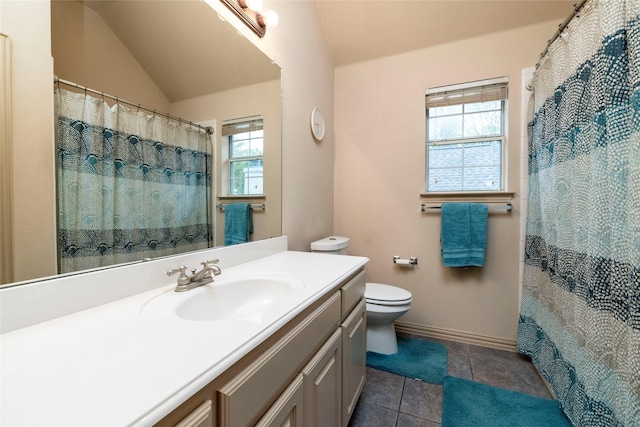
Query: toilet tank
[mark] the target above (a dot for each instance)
(331, 245)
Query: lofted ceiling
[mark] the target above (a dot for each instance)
(188, 51)
(184, 46)
(361, 30)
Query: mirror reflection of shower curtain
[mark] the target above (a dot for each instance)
(130, 185)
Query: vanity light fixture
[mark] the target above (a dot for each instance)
(250, 12)
(266, 18)
(255, 5)
(269, 19)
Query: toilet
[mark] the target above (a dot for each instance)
(385, 303)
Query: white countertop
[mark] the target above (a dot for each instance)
(112, 366)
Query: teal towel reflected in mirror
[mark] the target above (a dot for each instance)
(238, 223)
(463, 235)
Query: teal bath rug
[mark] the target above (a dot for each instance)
(470, 404)
(415, 358)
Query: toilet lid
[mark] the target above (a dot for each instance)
(377, 293)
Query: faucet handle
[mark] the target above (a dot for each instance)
(212, 266)
(182, 269)
(183, 278)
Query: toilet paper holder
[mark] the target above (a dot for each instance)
(403, 261)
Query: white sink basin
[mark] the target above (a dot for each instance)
(228, 297)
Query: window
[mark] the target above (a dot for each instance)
(245, 140)
(465, 137)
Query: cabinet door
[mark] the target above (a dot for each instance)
(245, 397)
(354, 359)
(288, 410)
(202, 416)
(323, 385)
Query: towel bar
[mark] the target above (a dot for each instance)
(255, 207)
(506, 207)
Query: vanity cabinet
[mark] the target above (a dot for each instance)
(310, 372)
(202, 416)
(323, 385)
(354, 359)
(288, 409)
(245, 397)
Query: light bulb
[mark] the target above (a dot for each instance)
(269, 19)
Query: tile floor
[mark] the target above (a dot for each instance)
(390, 400)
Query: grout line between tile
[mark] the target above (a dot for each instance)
(405, 387)
(404, 383)
(473, 376)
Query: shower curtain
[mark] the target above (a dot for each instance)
(580, 308)
(130, 185)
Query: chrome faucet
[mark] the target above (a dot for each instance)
(202, 277)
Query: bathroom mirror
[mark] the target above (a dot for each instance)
(177, 57)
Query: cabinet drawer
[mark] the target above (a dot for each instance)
(245, 397)
(352, 292)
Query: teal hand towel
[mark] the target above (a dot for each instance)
(463, 235)
(238, 223)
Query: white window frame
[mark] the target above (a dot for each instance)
(466, 93)
(234, 127)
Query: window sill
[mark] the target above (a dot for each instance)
(243, 197)
(471, 196)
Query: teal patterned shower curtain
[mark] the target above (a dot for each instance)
(580, 308)
(130, 185)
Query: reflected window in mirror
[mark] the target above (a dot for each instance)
(244, 141)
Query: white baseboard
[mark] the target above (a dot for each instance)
(455, 335)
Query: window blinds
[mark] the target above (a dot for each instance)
(483, 91)
(246, 125)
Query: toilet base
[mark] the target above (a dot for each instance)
(381, 338)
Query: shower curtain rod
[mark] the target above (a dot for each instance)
(56, 80)
(576, 10)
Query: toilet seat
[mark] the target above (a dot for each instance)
(379, 294)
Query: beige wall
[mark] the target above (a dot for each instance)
(298, 45)
(380, 173)
(89, 56)
(88, 53)
(307, 174)
(379, 166)
(28, 26)
(379, 160)
(256, 100)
